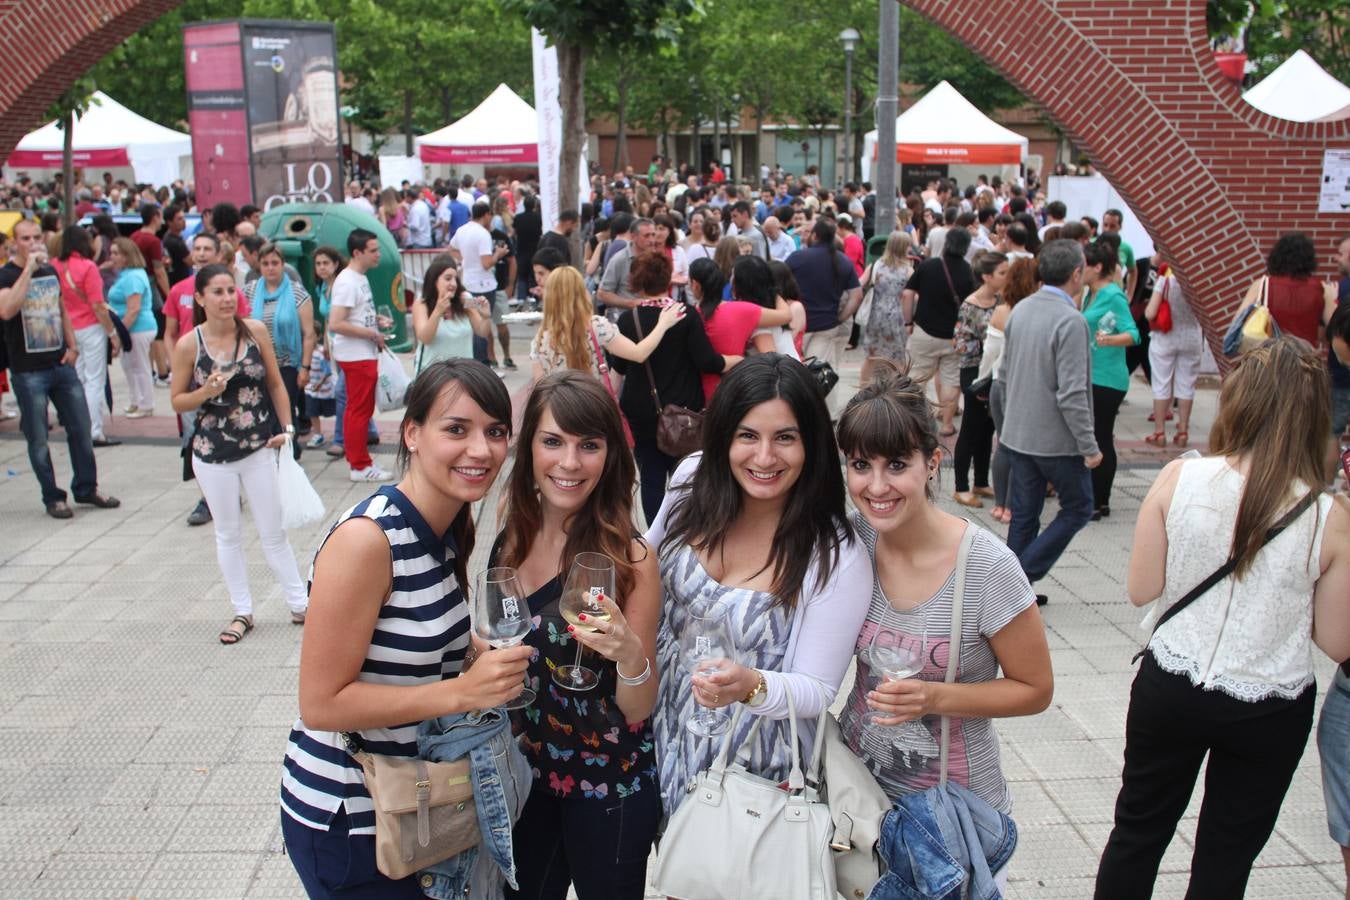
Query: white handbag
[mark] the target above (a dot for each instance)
(737, 835)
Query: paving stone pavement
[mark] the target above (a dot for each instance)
(140, 758)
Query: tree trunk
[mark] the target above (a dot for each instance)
(572, 99)
(621, 123)
(717, 133)
(696, 147)
(759, 137)
(407, 122)
(68, 170)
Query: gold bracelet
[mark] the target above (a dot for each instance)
(758, 692)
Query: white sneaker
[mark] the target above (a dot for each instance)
(140, 413)
(372, 474)
(315, 441)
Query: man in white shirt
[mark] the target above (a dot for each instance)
(357, 342)
(781, 245)
(356, 199)
(478, 255)
(1055, 212)
(419, 220)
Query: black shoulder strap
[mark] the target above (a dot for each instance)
(1227, 568)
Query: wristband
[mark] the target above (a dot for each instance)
(290, 430)
(638, 679)
(758, 694)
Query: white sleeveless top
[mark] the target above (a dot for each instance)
(1251, 639)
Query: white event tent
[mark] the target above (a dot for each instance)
(944, 128)
(502, 130)
(109, 136)
(1301, 91)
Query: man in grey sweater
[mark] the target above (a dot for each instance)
(1047, 424)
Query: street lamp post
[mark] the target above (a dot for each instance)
(888, 65)
(849, 37)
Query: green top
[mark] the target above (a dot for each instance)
(1108, 363)
(1126, 260)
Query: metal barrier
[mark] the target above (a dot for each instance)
(415, 264)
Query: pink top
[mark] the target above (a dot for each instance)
(179, 306)
(853, 249)
(729, 330)
(84, 275)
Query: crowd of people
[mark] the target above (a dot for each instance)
(684, 312)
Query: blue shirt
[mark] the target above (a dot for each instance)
(459, 214)
(128, 283)
(1340, 375)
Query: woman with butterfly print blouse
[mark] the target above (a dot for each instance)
(594, 808)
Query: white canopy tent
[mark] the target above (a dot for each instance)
(502, 130)
(1301, 91)
(944, 128)
(109, 136)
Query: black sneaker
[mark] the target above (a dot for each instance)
(200, 515)
(509, 363)
(1041, 599)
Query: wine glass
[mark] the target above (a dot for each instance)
(708, 648)
(502, 619)
(225, 369)
(896, 652)
(591, 576)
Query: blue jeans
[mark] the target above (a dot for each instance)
(1333, 743)
(1028, 477)
(61, 386)
(1340, 409)
(335, 865)
(340, 396)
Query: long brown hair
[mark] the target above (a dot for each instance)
(581, 407)
(1021, 281)
(200, 282)
(1273, 412)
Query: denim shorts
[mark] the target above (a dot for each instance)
(1333, 743)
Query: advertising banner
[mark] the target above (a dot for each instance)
(290, 81)
(217, 117)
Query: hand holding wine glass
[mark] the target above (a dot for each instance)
(501, 618)
(590, 579)
(607, 633)
(708, 649)
(896, 655)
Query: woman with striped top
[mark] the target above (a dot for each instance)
(889, 438)
(388, 628)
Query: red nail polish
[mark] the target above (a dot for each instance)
(581, 616)
(571, 628)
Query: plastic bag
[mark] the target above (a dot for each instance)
(301, 505)
(391, 387)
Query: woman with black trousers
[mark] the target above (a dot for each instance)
(1113, 330)
(676, 365)
(975, 441)
(1227, 680)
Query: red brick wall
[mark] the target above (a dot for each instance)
(1214, 181)
(46, 44)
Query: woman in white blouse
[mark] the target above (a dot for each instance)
(1229, 676)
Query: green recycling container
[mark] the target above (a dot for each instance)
(301, 228)
(876, 248)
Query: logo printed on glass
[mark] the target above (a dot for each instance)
(510, 609)
(593, 599)
(702, 645)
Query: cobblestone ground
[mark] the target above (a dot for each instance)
(140, 758)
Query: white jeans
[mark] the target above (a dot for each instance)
(221, 483)
(92, 367)
(136, 366)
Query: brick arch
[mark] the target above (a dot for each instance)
(47, 44)
(1213, 180)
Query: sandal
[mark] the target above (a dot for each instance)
(965, 498)
(1182, 437)
(297, 618)
(1157, 439)
(983, 491)
(232, 635)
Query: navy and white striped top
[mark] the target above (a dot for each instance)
(421, 636)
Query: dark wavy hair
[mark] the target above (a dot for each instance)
(199, 284)
(752, 280)
(582, 408)
(485, 388)
(711, 282)
(430, 295)
(814, 523)
(1293, 255)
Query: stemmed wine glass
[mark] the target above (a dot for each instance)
(591, 576)
(897, 652)
(226, 369)
(502, 619)
(708, 648)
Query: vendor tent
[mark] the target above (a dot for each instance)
(944, 128)
(1301, 91)
(500, 131)
(109, 135)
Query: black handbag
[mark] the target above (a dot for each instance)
(823, 373)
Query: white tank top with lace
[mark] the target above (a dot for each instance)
(1249, 638)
